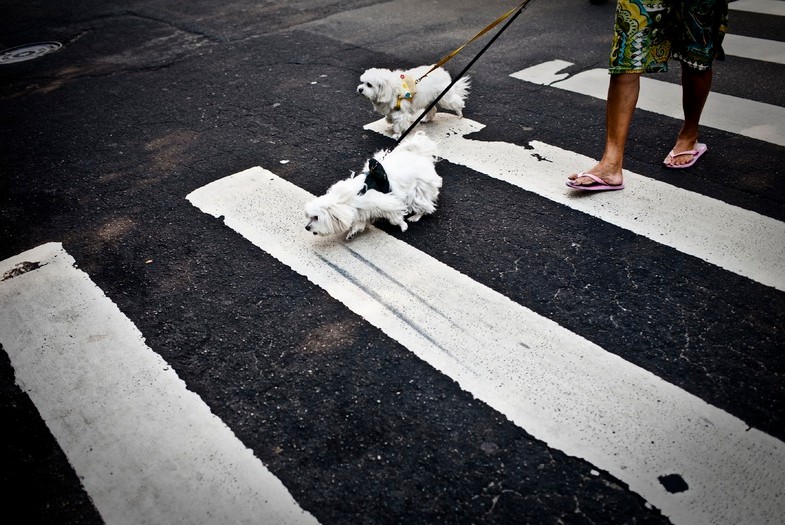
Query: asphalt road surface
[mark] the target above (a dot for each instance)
(178, 349)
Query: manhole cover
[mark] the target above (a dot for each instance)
(28, 52)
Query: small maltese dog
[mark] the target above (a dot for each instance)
(392, 185)
(401, 99)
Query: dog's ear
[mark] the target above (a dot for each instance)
(342, 216)
(386, 90)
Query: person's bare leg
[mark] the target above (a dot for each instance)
(622, 97)
(695, 85)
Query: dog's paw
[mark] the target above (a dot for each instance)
(403, 226)
(414, 218)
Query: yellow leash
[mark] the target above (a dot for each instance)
(512, 15)
(493, 24)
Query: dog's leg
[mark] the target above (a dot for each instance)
(357, 227)
(420, 208)
(397, 220)
(430, 116)
(452, 103)
(390, 121)
(399, 126)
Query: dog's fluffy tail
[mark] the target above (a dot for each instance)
(461, 88)
(420, 144)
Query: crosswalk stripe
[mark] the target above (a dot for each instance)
(752, 119)
(765, 7)
(558, 386)
(147, 450)
(727, 236)
(754, 48)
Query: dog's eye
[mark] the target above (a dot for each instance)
(368, 84)
(314, 218)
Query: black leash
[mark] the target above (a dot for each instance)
(518, 11)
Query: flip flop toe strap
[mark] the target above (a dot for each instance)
(593, 177)
(692, 152)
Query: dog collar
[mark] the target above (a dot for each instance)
(375, 179)
(407, 91)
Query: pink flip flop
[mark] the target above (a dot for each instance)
(597, 185)
(696, 153)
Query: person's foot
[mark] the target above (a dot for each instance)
(678, 155)
(609, 177)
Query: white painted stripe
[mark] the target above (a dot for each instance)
(147, 450)
(765, 7)
(738, 240)
(558, 386)
(755, 48)
(752, 119)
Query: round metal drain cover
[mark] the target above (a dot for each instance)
(28, 52)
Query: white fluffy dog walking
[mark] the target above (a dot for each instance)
(400, 99)
(392, 185)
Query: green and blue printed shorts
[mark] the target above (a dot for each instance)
(649, 32)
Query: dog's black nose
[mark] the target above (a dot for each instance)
(360, 89)
(308, 227)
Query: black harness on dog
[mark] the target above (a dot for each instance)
(376, 178)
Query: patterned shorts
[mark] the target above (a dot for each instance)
(649, 32)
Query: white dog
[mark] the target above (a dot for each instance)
(401, 99)
(392, 185)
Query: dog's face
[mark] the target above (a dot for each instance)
(375, 85)
(320, 222)
(331, 213)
